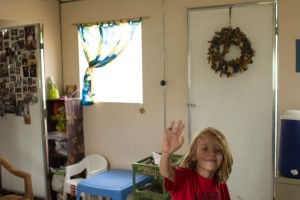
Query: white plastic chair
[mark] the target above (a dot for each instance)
(93, 164)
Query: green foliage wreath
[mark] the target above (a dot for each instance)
(220, 44)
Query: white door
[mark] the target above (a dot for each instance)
(22, 138)
(242, 107)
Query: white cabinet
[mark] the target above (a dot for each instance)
(287, 188)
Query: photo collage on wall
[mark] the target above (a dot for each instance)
(18, 70)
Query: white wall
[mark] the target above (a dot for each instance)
(46, 12)
(119, 131)
(289, 80)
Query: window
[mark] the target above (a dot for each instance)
(121, 79)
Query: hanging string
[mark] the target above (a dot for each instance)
(230, 16)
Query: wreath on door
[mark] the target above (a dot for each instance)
(220, 45)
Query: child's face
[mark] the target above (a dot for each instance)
(209, 156)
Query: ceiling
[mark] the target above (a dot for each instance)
(65, 1)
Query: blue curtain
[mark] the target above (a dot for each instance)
(111, 39)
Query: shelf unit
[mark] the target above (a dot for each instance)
(64, 138)
(156, 191)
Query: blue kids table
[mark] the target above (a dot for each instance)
(115, 184)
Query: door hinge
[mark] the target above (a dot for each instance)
(191, 105)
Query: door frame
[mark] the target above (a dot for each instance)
(191, 105)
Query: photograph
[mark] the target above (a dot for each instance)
(31, 55)
(3, 57)
(25, 89)
(34, 89)
(30, 40)
(13, 78)
(20, 108)
(21, 33)
(33, 72)
(25, 81)
(29, 81)
(18, 70)
(31, 63)
(6, 44)
(20, 45)
(25, 71)
(12, 69)
(14, 32)
(1, 41)
(6, 34)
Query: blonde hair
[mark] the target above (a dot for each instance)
(222, 174)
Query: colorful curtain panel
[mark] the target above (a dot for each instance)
(111, 39)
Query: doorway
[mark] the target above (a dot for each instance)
(22, 87)
(243, 106)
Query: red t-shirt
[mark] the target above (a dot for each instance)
(189, 185)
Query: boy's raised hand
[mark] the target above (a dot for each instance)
(172, 139)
